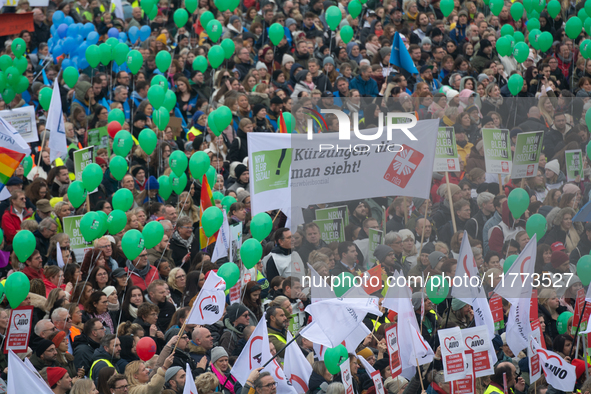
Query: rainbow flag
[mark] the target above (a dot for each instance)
(206, 201)
(282, 125)
(9, 161)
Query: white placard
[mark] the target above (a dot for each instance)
(23, 120)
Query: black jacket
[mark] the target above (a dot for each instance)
(395, 224)
(239, 148)
(533, 124)
(582, 249)
(84, 348)
(101, 354)
(552, 138)
(307, 248)
(179, 251)
(475, 225)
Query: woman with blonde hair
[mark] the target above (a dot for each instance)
(138, 377)
(409, 248)
(84, 386)
(132, 223)
(564, 230)
(549, 306)
(186, 207)
(206, 383)
(547, 109)
(177, 282)
(553, 198)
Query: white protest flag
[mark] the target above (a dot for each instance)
(346, 376)
(296, 367)
(118, 9)
(559, 374)
(58, 146)
(375, 375)
(452, 353)
(190, 383)
(471, 291)
(60, 258)
(11, 139)
(588, 297)
(533, 359)
(421, 350)
(209, 306)
(22, 380)
(223, 242)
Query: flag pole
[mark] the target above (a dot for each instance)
(451, 204)
(41, 149)
(424, 224)
(182, 330)
(282, 349)
(418, 366)
(578, 327)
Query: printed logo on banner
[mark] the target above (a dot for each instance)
(466, 385)
(271, 169)
(403, 167)
(451, 165)
(505, 166)
(19, 330)
(393, 352)
(530, 170)
(377, 382)
(478, 346)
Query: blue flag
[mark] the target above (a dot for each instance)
(45, 79)
(400, 56)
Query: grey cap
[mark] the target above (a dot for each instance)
(435, 257)
(217, 353)
(428, 248)
(416, 300)
(119, 273)
(170, 373)
(381, 252)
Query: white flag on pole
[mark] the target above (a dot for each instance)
(22, 380)
(11, 139)
(190, 383)
(533, 360)
(421, 350)
(58, 146)
(118, 9)
(296, 367)
(60, 258)
(319, 288)
(559, 374)
(209, 306)
(223, 242)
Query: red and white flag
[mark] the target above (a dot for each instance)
(393, 350)
(533, 359)
(375, 375)
(190, 383)
(346, 377)
(209, 306)
(421, 350)
(296, 367)
(559, 374)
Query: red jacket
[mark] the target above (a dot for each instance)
(50, 286)
(11, 223)
(33, 273)
(141, 282)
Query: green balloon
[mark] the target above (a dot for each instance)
(588, 123)
(161, 118)
(539, 5)
(509, 262)
(587, 25)
(90, 226)
(214, 30)
(290, 122)
(163, 61)
(160, 80)
(536, 224)
(528, 5)
(582, 16)
(92, 176)
(134, 61)
(334, 357)
(103, 227)
(222, 5)
(93, 55)
(545, 41)
(191, 5)
(148, 141)
(573, 27)
(533, 24)
(553, 8)
(533, 38)
(105, 54)
(156, 96)
(355, 8)
(562, 322)
(533, 15)
(8, 95)
(504, 46)
(147, 5)
(227, 202)
(21, 65)
(518, 201)
(71, 76)
(169, 100)
(251, 252)
(437, 289)
(261, 226)
(200, 62)
(116, 115)
(230, 273)
(515, 85)
(5, 62)
(199, 164)
(521, 52)
(212, 220)
(211, 123)
(180, 18)
(344, 283)
(333, 17)
(18, 46)
(228, 47)
(21, 86)
(215, 56)
(27, 165)
(507, 30)
(222, 117)
(518, 36)
(165, 187)
(347, 33)
(118, 167)
(276, 33)
(120, 53)
(123, 199)
(588, 7)
(584, 269)
(205, 18)
(153, 13)
(76, 193)
(153, 233)
(122, 143)
(3, 82)
(12, 75)
(178, 162)
(211, 175)
(17, 288)
(26, 244)
(517, 11)
(217, 196)
(132, 244)
(116, 221)
(112, 42)
(496, 6)
(179, 183)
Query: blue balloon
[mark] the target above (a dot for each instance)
(74, 62)
(92, 38)
(123, 37)
(82, 63)
(113, 32)
(72, 31)
(68, 20)
(58, 51)
(53, 30)
(133, 34)
(145, 32)
(70, 44)
(58, 17)
(62, 30)
(81, 51)
(50, 43)
(79, 39)
(87, 29)
(66, 63)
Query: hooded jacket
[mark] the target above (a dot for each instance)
(84, 348)
(239, 148)
(79, 100)
(571, 239)
(101, 354)
(475, 160)
(300, 86)
(507, 229)
(230, 336)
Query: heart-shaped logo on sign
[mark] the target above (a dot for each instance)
(446, 342)
(469, 341)
(17, 319)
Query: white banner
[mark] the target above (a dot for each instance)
(296, 367)
(393, 350)
(452, 354)
(560, 374)
(209, 306)
(23, 121)
(478, 344)
(346, 377)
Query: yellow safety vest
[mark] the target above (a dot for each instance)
(279, 337)
(494, 390)
(94, 363)
(377, 324)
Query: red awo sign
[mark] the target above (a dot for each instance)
(18, 332)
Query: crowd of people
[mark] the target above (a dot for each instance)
(90, 314)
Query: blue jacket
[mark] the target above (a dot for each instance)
(126, 108)
(458, 34)
(366, 88)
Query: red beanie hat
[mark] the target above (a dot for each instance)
(54, 374)
(58, 338)
(558, 258)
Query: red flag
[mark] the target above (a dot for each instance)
(205, 202)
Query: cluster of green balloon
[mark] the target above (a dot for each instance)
(334, 357)
(27, 164)
(17, 288)
(77, 194)
(276, 33)
(344, 283)
(211, 176)
(515, 84)
(163, 100)
(261, 226)
(573, 27)
(219, 119)
(111, 50)
(132, 244)
(150, 7)
(116, 221)
(230, 273)
(437, 289)
(219, 196)
(227, 202)
(216, 56)
(181, 16)
(509, 262)
(199, 164)
(562, 322)
(153, 233)
(212, 220)
(178, 162)
(518, 201)
(92, 226)
(251, 252)
(536, 224)
(26, 245)
(123, 199)
(12, 80)
(496, 6)
(333, 17)
(118, 167)
(540, 40)
(148, 141)
(584, 269)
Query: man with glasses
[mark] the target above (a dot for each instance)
(60, 317)
(183, 242)
(157, 291)
(265, 384)
(391, 258)
(44, 328)
(118, 384)
(87, 342)
(44, 355)
(104, 244)
(142, 273)
(47, 229)
(14, 215)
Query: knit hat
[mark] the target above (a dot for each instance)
(451, 93)
(381, 364)
(286, 59)
(482, 77)
(569, 188)
(136, 169)
(171, 372)
(484, 121)
(161, 38)
(385, 51)
(217, 353)
(42, 346)
(434, 258)
(393, 385)
(54, 375)
(442, 190)
(152, 183)
(242, 195)
(558, 258)
(426, 40)
(456, 304)
(58, 338)
(463, 13)
(406, 233)
(276, 75)
(366, 353)
(261, 65)
(13, 181)
(258, 108)
(234, 311)
(100, 161)
(289, 22)
(327, 60)
(119, 273)
(234, 18)
(109, 290)
(44, 206)
(417, 202)
(428, 248)
(239, 170)
(140, 116)
(382, 251)
(553, 166)
(416, 300)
